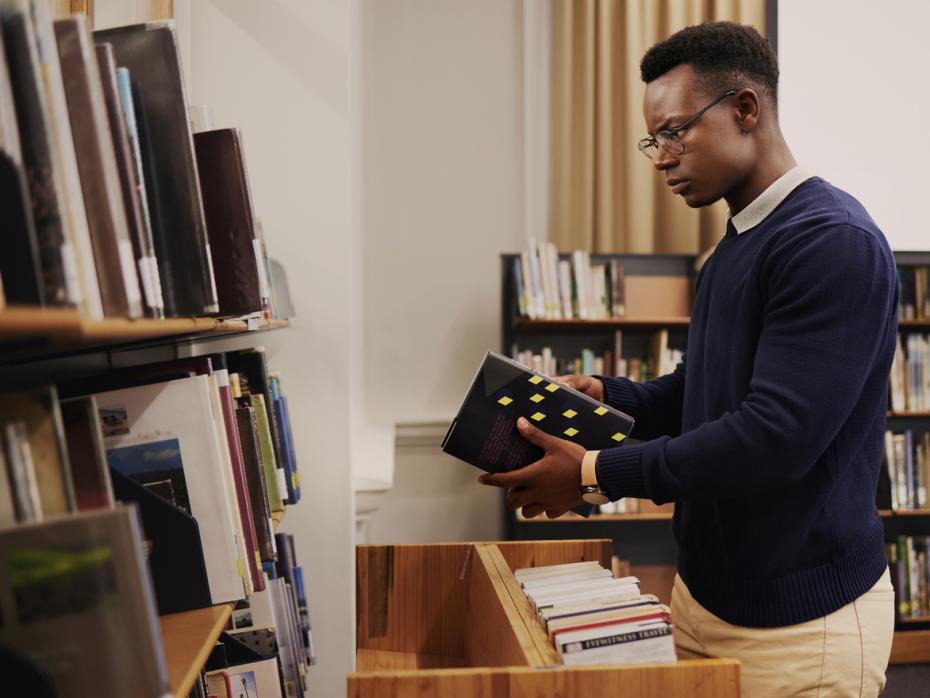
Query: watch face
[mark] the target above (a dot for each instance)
(595, 497)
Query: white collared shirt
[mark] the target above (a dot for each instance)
(760, 207)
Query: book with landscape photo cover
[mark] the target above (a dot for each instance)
(484, 432)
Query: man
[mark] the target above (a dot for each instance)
(768, 435)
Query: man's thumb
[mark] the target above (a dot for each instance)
(532, 434)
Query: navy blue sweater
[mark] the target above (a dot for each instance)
(769, 434)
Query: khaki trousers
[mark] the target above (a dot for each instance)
(842, 654)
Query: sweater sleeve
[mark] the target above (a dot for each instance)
(655, 405)
(830, 299)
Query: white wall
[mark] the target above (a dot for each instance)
(853, 96)
(280, 70)
(442, 197)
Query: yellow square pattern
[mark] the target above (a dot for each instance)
(552, 387)
(537, 398)
(571, 431)
(600, 411)
(536, 380)
(505, 401)
(538, 417)
(618, 436)
(569, 413)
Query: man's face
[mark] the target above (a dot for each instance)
(717, 153)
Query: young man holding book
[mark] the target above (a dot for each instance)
(768, 435)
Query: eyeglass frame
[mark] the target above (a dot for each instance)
(671, 134)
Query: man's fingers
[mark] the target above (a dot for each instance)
(554, 513)
(532, 434)
(521, 497)
(514, 478)
(532, 510)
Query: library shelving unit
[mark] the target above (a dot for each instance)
(49, 344)
(645, 538)
(451, 620)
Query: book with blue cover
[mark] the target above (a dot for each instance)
(484, 432)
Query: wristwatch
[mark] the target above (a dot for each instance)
(591, 492)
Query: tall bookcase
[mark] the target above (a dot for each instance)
(645, 538)
(39, 345)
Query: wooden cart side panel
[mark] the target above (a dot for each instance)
(519, 554)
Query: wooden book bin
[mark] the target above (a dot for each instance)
(451, 620)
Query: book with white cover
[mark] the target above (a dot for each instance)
(546, 582)
(622, 592)
(617, 615)
(643, 643)
(557, 590)
(151, 429)
(255, 679)
(583, 608)
(526, 572)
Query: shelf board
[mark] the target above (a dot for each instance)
(575, 325)
(890, 513)
(905, 414)
(188, 638)
(915, 324)
(910, 647)
(32, 332)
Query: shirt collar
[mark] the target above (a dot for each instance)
(760, 207)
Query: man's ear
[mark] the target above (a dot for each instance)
(748, 106)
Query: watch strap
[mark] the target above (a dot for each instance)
(589, 469)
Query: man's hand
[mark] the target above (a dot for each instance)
(592, 387)
(549, 485)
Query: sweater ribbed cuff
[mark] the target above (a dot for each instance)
(618, 393)
(620, 472)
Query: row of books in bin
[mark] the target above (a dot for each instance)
(201, 452)
(109, 203)
(909, 563)
(658, 361)
(907, 468)
(594, 618)
(551, 288)
(910, 373)
(914, 283)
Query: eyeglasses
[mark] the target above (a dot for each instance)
(669, 140)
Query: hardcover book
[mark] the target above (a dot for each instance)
(39, 411)
(151, 439)
(103, 199)
(140, 232)
(224, 185)
(484, 432)
(75, 597)
(20, 267)
(89, 471)
(150, 52)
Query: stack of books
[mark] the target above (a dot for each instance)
(194, 456)
(548, 288)
(910, 571)
(110, 204)
(910, 374)
(658, 360)
(914, 283)
(594, 618)
(907, 463)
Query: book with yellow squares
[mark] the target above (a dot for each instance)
(484, 433)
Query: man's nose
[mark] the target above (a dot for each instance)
(664, 159)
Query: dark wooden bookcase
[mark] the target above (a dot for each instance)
(645, 539)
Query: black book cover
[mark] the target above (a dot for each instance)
(227, 204)
(484, 433)
(150, 52)
(37, 249)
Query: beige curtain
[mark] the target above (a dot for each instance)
(605, 196)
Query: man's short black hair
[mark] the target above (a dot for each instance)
(725, 56)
